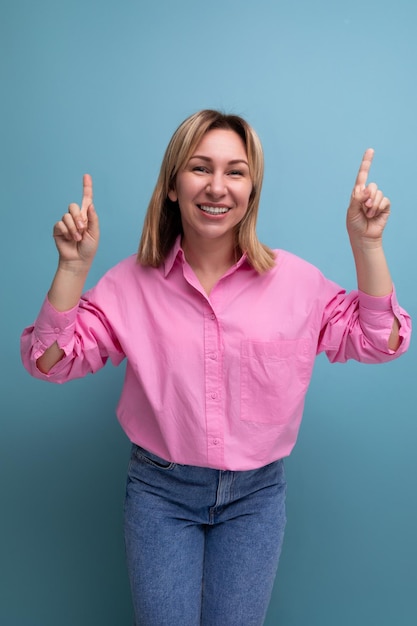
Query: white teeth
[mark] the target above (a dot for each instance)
(214, 210)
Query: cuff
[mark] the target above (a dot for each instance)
(52, 325)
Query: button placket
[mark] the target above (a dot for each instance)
(213, 382)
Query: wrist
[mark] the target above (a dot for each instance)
(365, 244)
(73, 268)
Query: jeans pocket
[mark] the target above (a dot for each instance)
(144, 456)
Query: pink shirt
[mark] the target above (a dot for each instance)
(214, 381)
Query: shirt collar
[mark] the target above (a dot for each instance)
(177, 252)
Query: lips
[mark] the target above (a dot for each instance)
(213, 210)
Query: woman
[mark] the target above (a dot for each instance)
(220, 334)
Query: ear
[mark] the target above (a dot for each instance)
(172, 195)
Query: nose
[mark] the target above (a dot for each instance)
(216, 185)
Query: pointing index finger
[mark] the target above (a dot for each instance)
(362, 176)
(87, 194)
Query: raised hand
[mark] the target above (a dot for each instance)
(77, 233)
(369, 209)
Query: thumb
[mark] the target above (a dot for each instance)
(360, 196)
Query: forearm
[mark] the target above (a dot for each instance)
(372, 270)
(49, 358)
(374, 279)
(64, 294)
(67, 286)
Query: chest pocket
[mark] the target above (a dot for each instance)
(274, 379)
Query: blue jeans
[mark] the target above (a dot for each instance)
(202, 544)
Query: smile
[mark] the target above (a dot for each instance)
(213, 210)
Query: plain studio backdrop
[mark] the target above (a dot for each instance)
(99, 86)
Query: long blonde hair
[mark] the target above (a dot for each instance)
(162, 222)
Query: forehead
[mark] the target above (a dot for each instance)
(219, 143)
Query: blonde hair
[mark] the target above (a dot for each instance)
(162, 222)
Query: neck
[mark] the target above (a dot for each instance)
(211, 257)
(210, 260)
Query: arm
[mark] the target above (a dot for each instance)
(366, 219)
(76, 238)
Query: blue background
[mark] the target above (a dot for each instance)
(99, 86)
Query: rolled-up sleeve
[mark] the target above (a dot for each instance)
(360, 328)
(82, 333)
(50, 326)
(377, 317)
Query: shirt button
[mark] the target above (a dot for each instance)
(213, 356)
(213, 395)
(216, 442)
(57, 330)
(212, 316)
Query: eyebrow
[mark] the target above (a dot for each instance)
(208, 159)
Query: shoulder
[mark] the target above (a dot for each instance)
(128, 268)
(295, 273)
(127, 275)
(289, 262)
(126, 264)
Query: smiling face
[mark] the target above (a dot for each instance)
(214, 188)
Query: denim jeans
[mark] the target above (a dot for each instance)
(202, 544)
